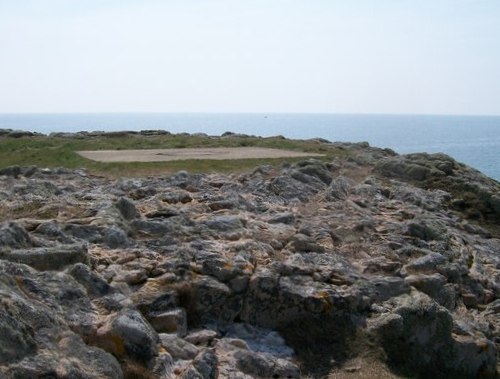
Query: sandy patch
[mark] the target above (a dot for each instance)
(164, 155)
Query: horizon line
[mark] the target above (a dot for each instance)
(249, 113)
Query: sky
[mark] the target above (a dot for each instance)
(317, 56)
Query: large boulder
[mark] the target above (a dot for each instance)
(69, 357)
(95, 285)
(210, 301)
(127, 208)
(127, 334)
(399, 167)
(14, 236)
(416, 336)
(35, 338)
(49, 258)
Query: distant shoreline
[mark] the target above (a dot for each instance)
(474, 140)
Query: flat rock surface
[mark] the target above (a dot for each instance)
(163, 155)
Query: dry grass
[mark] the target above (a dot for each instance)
(363, 368)
(62, 152)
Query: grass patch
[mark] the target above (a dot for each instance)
(61, 152)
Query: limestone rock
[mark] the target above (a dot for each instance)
(262, 366)
(13, 236)
(95, 285)
(206, 364)
(178, 348)
(416, 334)
(128, 334)
(201, 337)
(35, 340)
(173, 321)
(49, 258)
(296, 270)
(127, 208)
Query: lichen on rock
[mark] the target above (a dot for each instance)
(281, 272)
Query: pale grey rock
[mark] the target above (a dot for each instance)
(158, 301)
(162, 213)
(339, 188)
(174, 321)
(163, 366)
(127, 208)
(221, 268)
(288, 188)
(36, 311)
(265, 366)
(16, 335)
(493, 307)
(128, 334)
(177, 196)
(201, 337)
(177, 347)
(416, 334)
(426, 264)
(381, 288)
(190, 373)
(112, 303)
(435, 286)
(70, 358)
(303, 243)
(426, 230)
(305, 254)
(282, 218)
(95, 285)
(237, 360)
(89, 233)
(115, 237)
(49, 258)
(315, 168)
(331, 268)
(52, 230)
(213, 301)
(400, 167)
(213, 264)
(36, 189)
(306, 179)
(206, 363)
(306, 312)
(260, 340)
(224, 223)
(131, 277)
(151, 228)
(13, 236)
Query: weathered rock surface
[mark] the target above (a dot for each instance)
(278, 273)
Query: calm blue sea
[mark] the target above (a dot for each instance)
(474, 140)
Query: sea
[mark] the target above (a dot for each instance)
(474, 140)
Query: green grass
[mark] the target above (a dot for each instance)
(61, 152)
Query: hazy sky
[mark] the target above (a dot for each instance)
(350, 56)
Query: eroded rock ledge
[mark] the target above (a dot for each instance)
(278, 273)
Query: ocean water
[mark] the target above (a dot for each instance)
(474, 140)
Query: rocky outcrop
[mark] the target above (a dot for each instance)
(279, 273)
(416, 334)
(37, 315)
